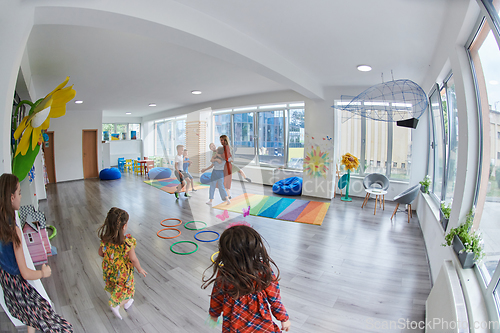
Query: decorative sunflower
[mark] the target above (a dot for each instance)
(350, 161)
(38, 119)
(31, 127)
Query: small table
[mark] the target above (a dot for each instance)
(379, 195)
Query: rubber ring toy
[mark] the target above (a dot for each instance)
(207, 241)
(158, 233)
(54, 231)
(183, 253)
(185, 225)
(171, 226)
(212, 257)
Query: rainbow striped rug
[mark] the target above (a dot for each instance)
(296, 210)
(169, 185)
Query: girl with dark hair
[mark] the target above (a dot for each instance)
(22, 300)
(244, 284)
(118, 251)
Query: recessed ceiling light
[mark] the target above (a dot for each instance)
(364, 68)
(196, 92)
(152, 104)
(494, 82)
(128, 112)
(78, 102)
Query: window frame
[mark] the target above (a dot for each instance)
(489, 14)
(128, 129)
(363, 158)
(256, 109)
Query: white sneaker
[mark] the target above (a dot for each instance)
(209, 203)
(116, 311)
(228, 202)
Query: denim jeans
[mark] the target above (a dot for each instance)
(217, 179)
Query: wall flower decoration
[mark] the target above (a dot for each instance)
(316, 163)
(30, 128)
(38, 119)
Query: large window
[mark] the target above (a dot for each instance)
(380, 146)
(269, 135)
(444, 141)
(437, 144)
(168, 134)
(243, 137)
(485, 61)
(121, 131)
(296, 133)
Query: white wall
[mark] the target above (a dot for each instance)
(125, 148)
(68, 142)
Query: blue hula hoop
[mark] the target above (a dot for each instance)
(207, 241)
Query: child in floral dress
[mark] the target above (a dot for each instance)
(118, 251)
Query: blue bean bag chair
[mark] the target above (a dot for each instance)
(205, 178)
(110, 174)
(289, 186)
(159, 173)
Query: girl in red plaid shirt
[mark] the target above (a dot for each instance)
(245, 285)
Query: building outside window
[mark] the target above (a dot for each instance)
(268, 135)
(296, 133)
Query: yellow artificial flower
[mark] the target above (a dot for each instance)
(52, 106)
(350, 161)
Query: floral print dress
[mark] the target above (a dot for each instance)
(118, 271)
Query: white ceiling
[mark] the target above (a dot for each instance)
(123, 60)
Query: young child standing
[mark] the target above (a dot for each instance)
(185, 169)
(244, 284)
(217, 178)
(118, 251)
(179, 161)
(22, 300)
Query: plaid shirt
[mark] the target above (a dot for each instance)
(248, 313)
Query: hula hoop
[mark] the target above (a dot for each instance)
(158, 233)
(212, 257)
(207, 241)
(185, 225)
(54, 231)
(171, 226)
(182, 253)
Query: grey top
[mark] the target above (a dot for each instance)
(219, 164)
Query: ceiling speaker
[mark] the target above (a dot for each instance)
(411, 123)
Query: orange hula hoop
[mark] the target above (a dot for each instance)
(158, 233)
(171, 226)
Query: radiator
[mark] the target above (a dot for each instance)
(445, 308)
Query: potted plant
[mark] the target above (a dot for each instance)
(426, 183)
(467, 245)
(444, 214)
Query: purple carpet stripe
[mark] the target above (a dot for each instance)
(293, 214)
(294, 205)
(276, 209)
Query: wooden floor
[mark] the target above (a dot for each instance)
(355, 273)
